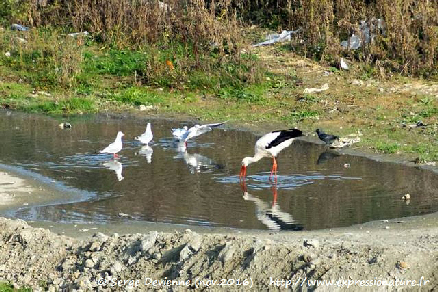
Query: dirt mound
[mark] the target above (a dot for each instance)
(40, 259)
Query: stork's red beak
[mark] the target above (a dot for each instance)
(242, 171)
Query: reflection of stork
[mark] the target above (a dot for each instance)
(147, 152)
(196, 162)
(271, 215)
(116, 166)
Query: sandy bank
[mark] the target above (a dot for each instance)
(37, 257)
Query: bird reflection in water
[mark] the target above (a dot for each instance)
(326, 156)
(146, 151)
(197, 163)
(270, 214)
(116, 166)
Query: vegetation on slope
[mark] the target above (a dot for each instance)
(194, 57)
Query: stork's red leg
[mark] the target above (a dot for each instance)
(274, 169)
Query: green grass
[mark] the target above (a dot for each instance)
(387, 147)
(138, 96)
(71, 105)
(115, 62)
(5, 287)
(300, 115)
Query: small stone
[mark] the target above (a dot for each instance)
(195, 242)
(309, 257)
(101, 236)
(117, 267)
(311, 242)
(402, 265)
(357, 82)
(95, 246)
(89, 263)
(149, 242)
(76, 274)
(227, 252)
(143, 107)
(185, 253)
(386, 227)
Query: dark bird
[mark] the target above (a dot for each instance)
(326, 138)
(269, 145)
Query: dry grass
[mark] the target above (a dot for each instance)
(407, 44)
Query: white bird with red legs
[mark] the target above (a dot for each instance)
(269, 145)
(116, 146)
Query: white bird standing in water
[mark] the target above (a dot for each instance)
(147, 136)
(116, 146)
(269, 145)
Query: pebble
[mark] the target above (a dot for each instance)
(357, 82)
(143, 107)
(117, 267)
(227, 252)
(195, 242)
(149, 242)
(402, 265)
(311, 242)
(185, 253)
(89, 263)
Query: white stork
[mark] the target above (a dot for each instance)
(269, 145)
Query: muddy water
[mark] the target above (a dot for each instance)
(198, 185)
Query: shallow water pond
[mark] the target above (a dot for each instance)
(199, 184)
